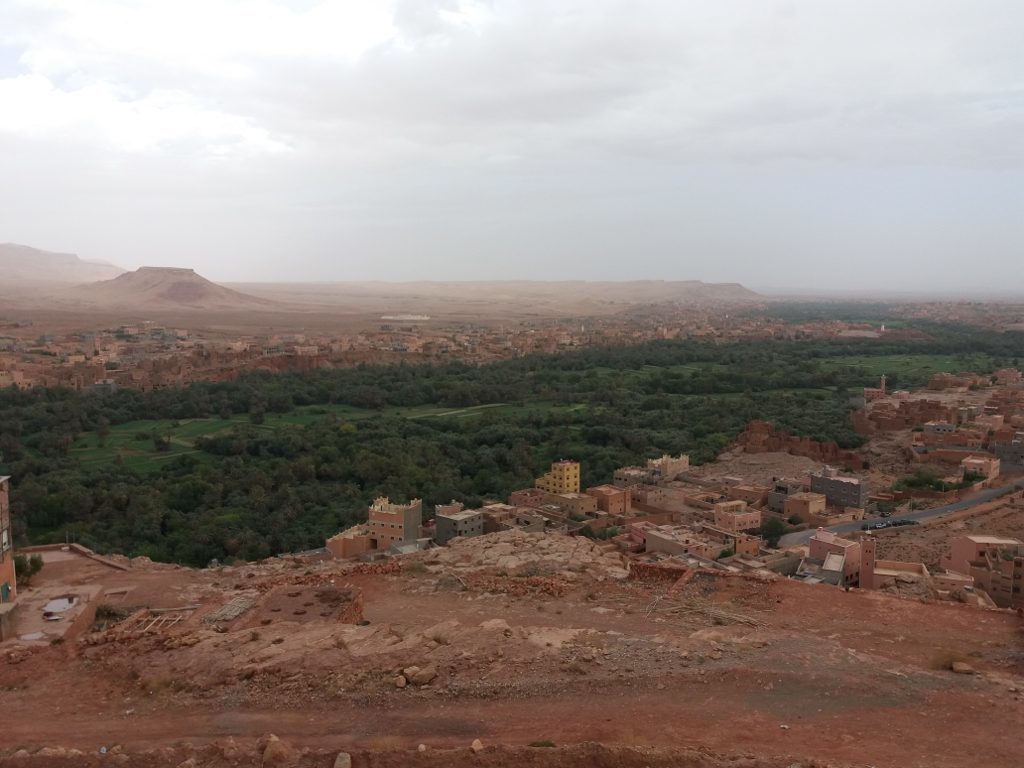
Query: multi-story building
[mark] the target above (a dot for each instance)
(656, 471)
(984, 468)
(840, 490)
(670, 467)
(8, 577)
(806, 507)
(679, 540)
(450, 523)
(842, 555)
(563, 477)
(735, 516)
(1009, 448)
(614, 501)
(845, 563)
(505, 517)
(782, 489)
(739, 543)
(995, 562)
(391, 524)
(573, 503)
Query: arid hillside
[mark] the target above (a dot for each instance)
(529, 644)
(21, 265)
(166, 288)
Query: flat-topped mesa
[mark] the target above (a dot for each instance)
(169, 271)
(168, 287)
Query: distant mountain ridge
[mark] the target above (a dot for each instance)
(23, 264)
(559, 291)
(166, 288)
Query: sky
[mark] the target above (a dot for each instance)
(795, 145)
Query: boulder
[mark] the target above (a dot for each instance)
(424, 676)
(276, 752)
(477, 746)
(962, 668)
(343, 760)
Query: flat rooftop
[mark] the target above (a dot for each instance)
(979, 539)
(827, 537)
(462, 514)
(833, 562)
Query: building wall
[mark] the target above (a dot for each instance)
(563, 477)
(947, 581)
(349, 546)
(752, 494)
(573, 503)
(395, 523)
(614, 501)
(658, 541)
(739, 543)
(830, 544)
(868, 562)
(527, 497)
(780, 491)
(966, 549)
(995, 563)
(841, 491)
(8, 578)
(805, 506)
(736, 516)
(987, 469)
(1000, 578)
(448, 527)
(670, 467)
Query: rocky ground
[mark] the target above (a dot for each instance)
(516, 639)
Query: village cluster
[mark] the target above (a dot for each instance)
(824, 526)
(147, 355)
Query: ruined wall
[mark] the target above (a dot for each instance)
(762, 437)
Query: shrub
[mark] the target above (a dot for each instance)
(26, 567)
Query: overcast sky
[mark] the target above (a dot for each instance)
(799, 143)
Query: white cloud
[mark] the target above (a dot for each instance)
(98, 115)
(406, 110)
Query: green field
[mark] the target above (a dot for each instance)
(924, 365)
(134, 441)
(132, 444)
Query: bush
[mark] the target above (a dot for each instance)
(26, 567)
(771, 531)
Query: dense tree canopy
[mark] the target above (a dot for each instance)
(260, 485)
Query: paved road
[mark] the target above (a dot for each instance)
(801, 537)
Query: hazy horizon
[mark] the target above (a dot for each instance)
(799, 146)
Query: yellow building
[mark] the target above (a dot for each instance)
(564, 477)
(806, 507)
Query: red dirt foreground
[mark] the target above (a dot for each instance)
(538, 647)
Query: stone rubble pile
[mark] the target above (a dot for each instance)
(529, 554)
